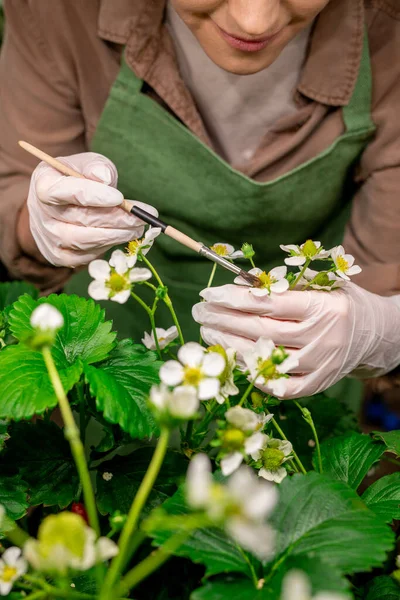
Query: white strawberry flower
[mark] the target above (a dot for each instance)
(226, 250)
(47, 318)
(164, 336)
(264, 362)
(180, 403)
(344, 263)
(308, 251)
(296, 586)
(272, 282)
(113, 280)
(243, 436)
(142, 245)
(228, 387)
(272, 457)
(324, 280)
(66, 542)
(240, 506)
(196, 368)
(12, 566)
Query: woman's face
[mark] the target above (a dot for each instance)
(246, 36)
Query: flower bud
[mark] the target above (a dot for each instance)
(248, 251)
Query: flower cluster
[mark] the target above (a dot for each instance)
(241, 505)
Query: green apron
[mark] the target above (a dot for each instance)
(162, 163)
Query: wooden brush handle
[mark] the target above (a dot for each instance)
(64, 169)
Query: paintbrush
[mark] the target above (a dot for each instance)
(130, 207)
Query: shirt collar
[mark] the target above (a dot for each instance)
(331, 68)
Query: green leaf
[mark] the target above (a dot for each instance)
(121, 386)
(322, 578)
(383, 588)
(85, 335)
(25, 387)
(391, 439)
(42, 456)
(127, 475)
(11, 291)
(13, 494)
(4, 435)
(209, 546)
(383, 497)
(349, 457)
(321, 517)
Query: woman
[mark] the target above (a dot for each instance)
(268, 121)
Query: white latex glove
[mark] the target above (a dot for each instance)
(331, 334)
(72, 220)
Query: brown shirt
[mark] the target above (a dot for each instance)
(61, 57)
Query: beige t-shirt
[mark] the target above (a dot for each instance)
(237, 110)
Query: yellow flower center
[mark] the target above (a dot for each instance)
(272, 459)
(192, 376)
(266, 279)
(342, 264)
(220, 249)
(267, 368)
(134, 246)
(233, 439)
(8, 574)
(117, 283)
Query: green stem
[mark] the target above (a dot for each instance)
(139, 501)
(307, 416)
(211, 279)
(251, 567)
(167, 300)
(247, 392)
(71, 433)
(152, 562)
(150, 285)
(252, 262)
(36, 595)
(16, 535)
(283, 436)
(300, 275)
(150, 312)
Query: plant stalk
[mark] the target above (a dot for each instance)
(71, 433)
(307, 416)
(300, 275)
(283, 436)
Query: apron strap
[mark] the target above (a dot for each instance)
(357, 114)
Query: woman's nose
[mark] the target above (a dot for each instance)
(255, 18)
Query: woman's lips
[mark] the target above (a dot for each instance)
(246, 45)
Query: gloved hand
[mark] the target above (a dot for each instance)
(72, 220)
(331, 334)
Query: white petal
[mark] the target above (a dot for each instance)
(119, 261)
(295, 261)
(286, 447)
(148, 341)
(198, 481)
(121, 297)
(237, 254)
(280, 286)
(208, 388)
(99, 269)
(171, 372)
(98, 290)
(105, 549)
(242, 418)
(289, 248)
(264, 348)
(191, 354)
(343, 275)
(11, 555)
(137, 274)
(231, 462)
(255, 442)
(295, 586)
(171, 334)
(256, 271)
(259, 292)
(184, 402)
(159, 396)
(353, 270)
(240, 281)
(276, 476)
(277, 386)
(46, 317)
(5, 587)
(257, 538)
(213, 364)
(151, 234)
(288, 364)
(131, 260)
(278, 272)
